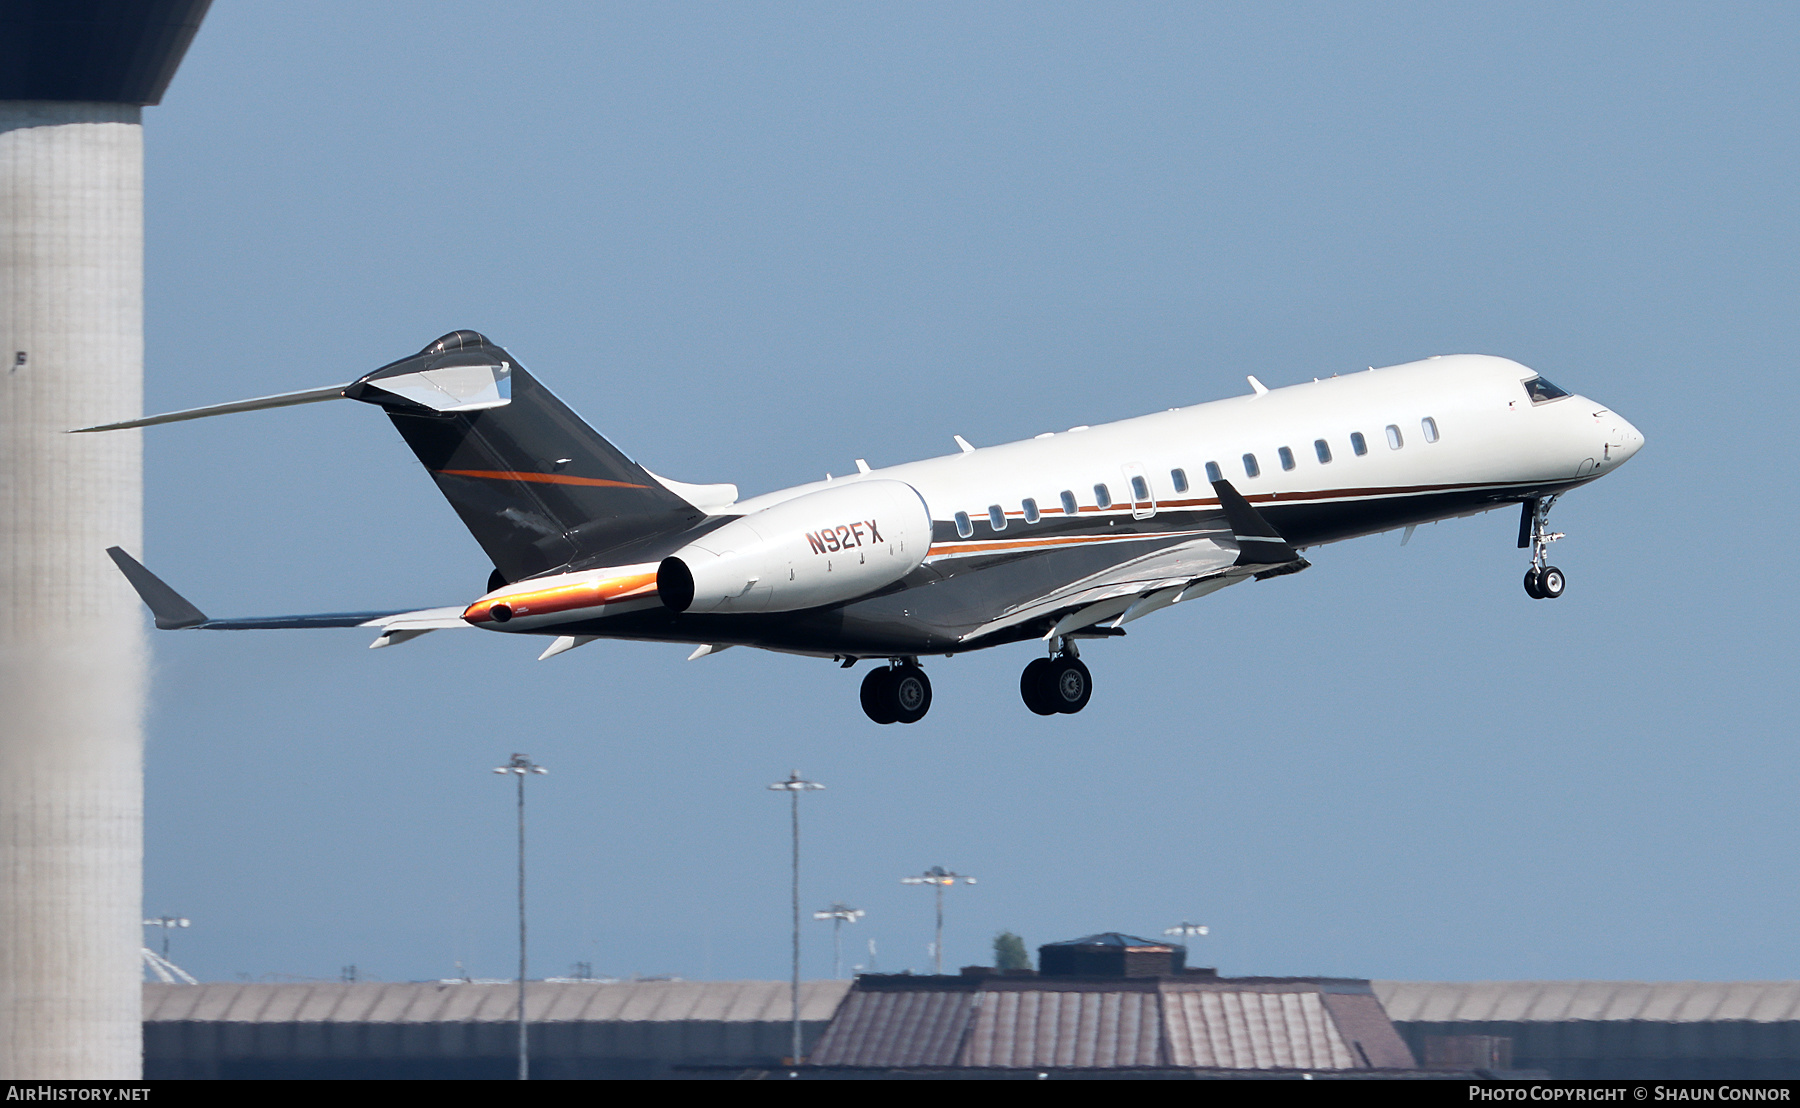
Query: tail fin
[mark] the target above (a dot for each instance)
(536, 486)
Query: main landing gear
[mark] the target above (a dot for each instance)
(897, 693)
(1059, 684)
(1542, 581)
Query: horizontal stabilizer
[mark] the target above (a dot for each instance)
(392, 623)
(1259, 544)
(295, 623)
(171, 609)
(280, 400)
(174, 612)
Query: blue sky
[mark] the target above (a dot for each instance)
(752, 243)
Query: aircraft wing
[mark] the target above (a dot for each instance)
(174, 612)
(1248, 546)
(1113, 591)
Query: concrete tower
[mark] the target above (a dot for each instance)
(74, 77)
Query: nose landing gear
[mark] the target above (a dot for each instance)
(1542, 581)
(897, 693)
(1060, 684)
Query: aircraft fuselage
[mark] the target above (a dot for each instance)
(1322, 461)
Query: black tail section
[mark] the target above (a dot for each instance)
(536, 486)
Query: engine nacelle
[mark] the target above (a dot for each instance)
(821, 548)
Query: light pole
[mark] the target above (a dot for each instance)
(167, 923)
(520, 767)
(1187, 930)
(794, 786)
(839, 914)
(941, 879)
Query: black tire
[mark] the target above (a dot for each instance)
(1531, 584)
(877, 699)
(1034, 687)
(909, 694)
(1551, 583)
(1069, 685)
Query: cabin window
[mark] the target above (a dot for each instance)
(1251, 469)
(1102, 497)
(1031, 511)
(1323, 450)
(1287, 458)
(1179, 476)
(1212, 472)
(1140, 490)
(963, 526)
(996, 517)
(1358, 444)
(1068, 502)
(1542, 391)
(1395, 442)
(1429, 426)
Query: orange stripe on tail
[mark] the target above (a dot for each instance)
(539, 478)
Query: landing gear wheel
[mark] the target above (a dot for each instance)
(1543, 581)
(1034, 687)
(1069, 685)
(909, 691)
(877, 699)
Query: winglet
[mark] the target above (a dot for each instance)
(171, 609)
(1259, 544)
(1257, 386)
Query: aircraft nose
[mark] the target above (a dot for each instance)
(1624, 441)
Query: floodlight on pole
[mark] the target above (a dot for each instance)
(167, 923)
(839, 914)
(794, 786)
(521, 767)
(941, 879)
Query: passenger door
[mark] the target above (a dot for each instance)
(1137, 486)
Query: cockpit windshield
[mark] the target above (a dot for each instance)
(1542, 391)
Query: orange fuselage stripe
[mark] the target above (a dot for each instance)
(540, 478)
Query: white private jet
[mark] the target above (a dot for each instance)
(1055, 539)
